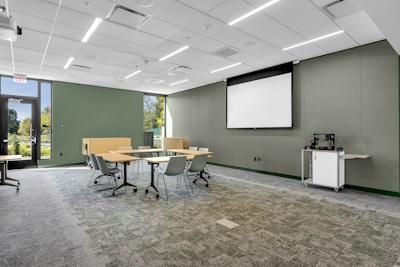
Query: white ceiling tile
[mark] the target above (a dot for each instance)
(366, 34)
(256, 47)
(178, 14)
(69, 32)
(103, 41)
(269, 30)
(74, 18)
(287, 10)
(66, 43)
(96, 50)
(208, 45)
(307, 21)
(144, 39)
(158, 67)
(203, 5)
(159, 28)
(320, 30)
(32, 35)
(32, 8)
(32, 22)
(113, 30)
(121, 56)
(128, 47)
(230, 35)
(187, 37)
(230, 10)
(95, 8)
(168, 46)
(355, 20)
(336, 43)
(307, 51)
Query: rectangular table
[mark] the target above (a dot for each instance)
(125, 160)
(190, 152)
(4, 159)
(138, 151)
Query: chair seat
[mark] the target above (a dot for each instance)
(114, 170)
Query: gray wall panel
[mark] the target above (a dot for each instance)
(353, 93)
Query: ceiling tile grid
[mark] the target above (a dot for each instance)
(114, 51)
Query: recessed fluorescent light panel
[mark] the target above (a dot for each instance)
(133, 74)
(91, 30)
(254, 11)
(226, 67)
(66, 66)
(175, 53)
(313, 40)
(179, 82)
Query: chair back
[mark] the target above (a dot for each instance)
(93, 160)
(193, 148)
(102, 165)
(176, 165)
(203, 149)
(198, 163)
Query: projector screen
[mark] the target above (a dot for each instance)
(262, 103)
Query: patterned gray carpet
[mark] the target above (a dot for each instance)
(56, 220)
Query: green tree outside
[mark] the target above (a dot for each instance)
(13, 122)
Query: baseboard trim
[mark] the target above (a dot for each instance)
(353, 187)
(44, 166)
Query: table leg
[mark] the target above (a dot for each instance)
(201, 176)
(4, 167)
(125, 183)
(152, 185)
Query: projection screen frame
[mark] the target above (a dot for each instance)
(257, 75)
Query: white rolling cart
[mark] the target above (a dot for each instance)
(327, 167)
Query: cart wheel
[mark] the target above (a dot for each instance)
(157, 196)
(146, 191)
(135, 190)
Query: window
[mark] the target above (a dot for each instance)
(9, 87)
(45, 120)
(154, 117)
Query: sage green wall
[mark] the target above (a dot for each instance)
(353, 93)
(88, 111)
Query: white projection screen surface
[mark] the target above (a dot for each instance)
(262, 103)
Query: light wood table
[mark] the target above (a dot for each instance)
(190, 152)
(4, 159)
(125, 160)
(138, 151)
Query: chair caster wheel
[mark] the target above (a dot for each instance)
(18, 183)
(113, 194)
(135, 190)
(146, 191)
(119, 177)
(194, 181)
(206, 185)
(95, 182)
(157, 196)
(17, 189)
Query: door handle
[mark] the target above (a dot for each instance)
(33, 140)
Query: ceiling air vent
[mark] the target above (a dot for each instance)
(80, 68)
(126, 17)
(226, 52)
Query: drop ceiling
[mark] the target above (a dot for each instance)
(116, 50)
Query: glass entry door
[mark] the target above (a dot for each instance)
(19, 130)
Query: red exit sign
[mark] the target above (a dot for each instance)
(19, 78)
